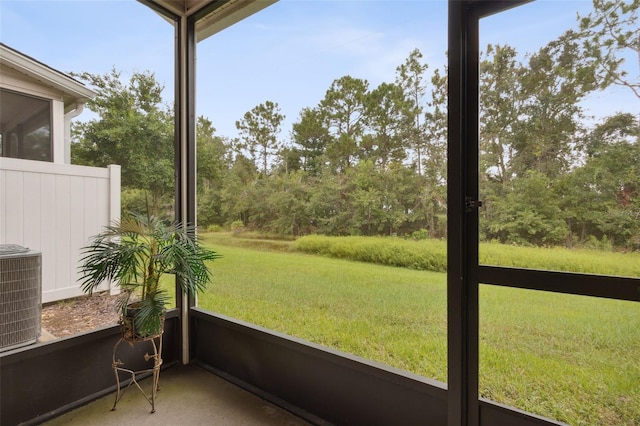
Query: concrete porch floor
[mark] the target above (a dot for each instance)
(188, 395)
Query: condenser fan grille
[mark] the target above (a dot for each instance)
(20, 296)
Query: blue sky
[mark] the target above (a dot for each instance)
(289, 53)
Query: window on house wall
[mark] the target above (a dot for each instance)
(325, 124)
(26, 126)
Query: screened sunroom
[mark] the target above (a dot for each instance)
(223, 368)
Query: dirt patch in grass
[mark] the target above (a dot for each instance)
(73, 316)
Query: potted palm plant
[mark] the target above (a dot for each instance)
(136, 252)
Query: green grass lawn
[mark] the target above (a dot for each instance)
(572, 358)
(388, 314)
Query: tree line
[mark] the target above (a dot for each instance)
(372, 160)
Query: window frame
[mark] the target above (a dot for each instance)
(20, 129)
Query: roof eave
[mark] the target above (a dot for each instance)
(45, 75)
(212, 16)
(228, 14)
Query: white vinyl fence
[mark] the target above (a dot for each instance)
(55, 209)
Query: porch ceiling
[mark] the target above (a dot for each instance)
(216, 14)
(188, 7)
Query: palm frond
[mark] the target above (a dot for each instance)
(136, 251)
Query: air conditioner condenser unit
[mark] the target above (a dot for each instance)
(20, 296)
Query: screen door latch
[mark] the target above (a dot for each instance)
(470, 204)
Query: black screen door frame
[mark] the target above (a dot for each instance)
(464, 273)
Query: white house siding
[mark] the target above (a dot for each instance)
(55, 209)
(57, 131)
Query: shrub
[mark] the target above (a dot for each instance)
(237, 226)
(213, 228)
(422, 234)
(427, 255)
(431, 255)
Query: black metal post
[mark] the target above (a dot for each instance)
(462, 245)
(185, 152)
